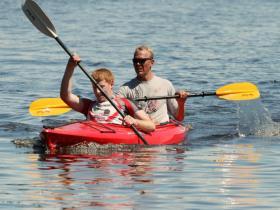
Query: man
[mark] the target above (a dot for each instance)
(147, 84)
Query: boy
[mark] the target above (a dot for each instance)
(102, 110)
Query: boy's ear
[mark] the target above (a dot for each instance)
(113, 82)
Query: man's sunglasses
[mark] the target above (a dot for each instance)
(141, 61)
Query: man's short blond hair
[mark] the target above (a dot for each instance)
(144, 47)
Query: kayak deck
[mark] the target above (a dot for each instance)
(92, 132)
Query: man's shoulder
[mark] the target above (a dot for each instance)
(131, 82)
(161, 80)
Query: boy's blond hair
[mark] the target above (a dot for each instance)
(103, 74)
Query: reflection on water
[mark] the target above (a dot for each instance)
(113, 181)
(238, 182)
(149, 176)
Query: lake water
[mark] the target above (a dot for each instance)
(230, 159)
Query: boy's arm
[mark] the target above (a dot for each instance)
(141, 120)
(66, 94)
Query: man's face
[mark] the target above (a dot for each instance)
(143, 63)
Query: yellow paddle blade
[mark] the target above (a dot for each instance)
(238, 91)
(48, 107)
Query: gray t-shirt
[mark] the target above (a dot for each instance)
(158, 110)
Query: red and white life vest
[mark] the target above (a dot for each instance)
(105, 113)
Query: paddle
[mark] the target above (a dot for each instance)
(40, 20)
(232, 92)
(48, 106)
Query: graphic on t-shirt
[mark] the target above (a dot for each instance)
(148, 106)
(107, 112)
(104, 112)
(152, 106)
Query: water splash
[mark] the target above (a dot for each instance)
(255, 119)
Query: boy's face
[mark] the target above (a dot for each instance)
(106, 87)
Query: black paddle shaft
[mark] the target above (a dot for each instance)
(202, 94)
(100, 89)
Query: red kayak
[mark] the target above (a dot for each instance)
(93, 132)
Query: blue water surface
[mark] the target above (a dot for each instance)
(230, 159)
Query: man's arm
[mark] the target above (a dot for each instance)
(180, 114)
